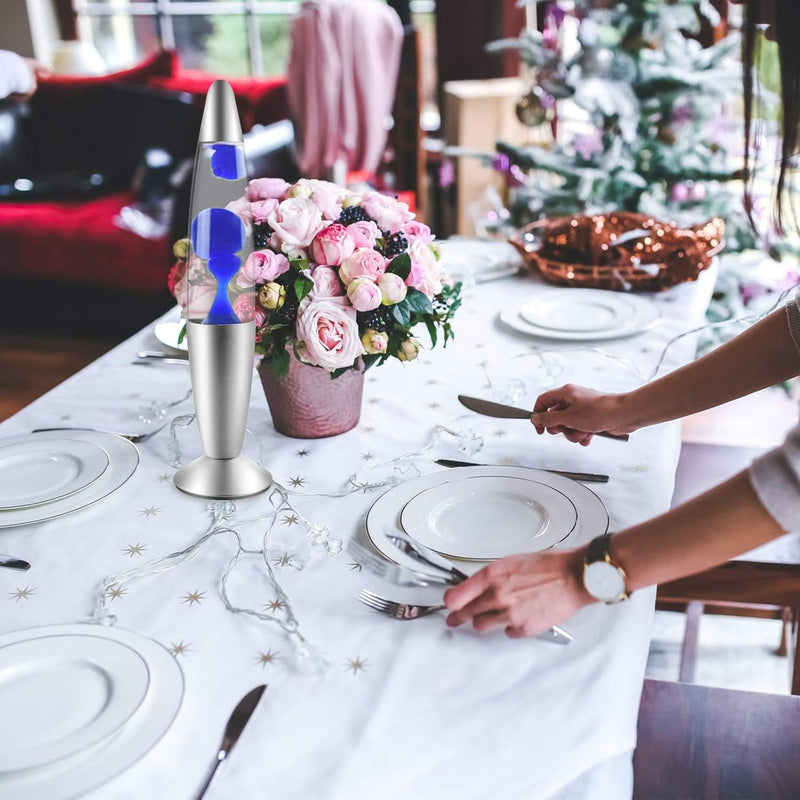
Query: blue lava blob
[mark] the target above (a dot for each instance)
(227, 161)
(218, 235)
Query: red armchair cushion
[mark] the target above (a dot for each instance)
(78, 242)
(261, 101)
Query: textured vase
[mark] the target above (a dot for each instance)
(308, 404)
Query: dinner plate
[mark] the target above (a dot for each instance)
(65, 694)
(384, 517)
(79, 774)
(123, 459)
(478, 260)
(582, 315)
(46, 469)
(167, 333)
(487, 517)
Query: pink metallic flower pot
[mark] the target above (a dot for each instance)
(309, 404)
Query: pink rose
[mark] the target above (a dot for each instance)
(296, 222)
(267, 189)
(332, 245)
(364, 262)
(364, 294)
(325, 195)
(261, 209)
(390, 214)
(393, 288)
(416, 231)
(195, 299)
(241, 208)
(326, 283)
(364, 233)
(261, 266)
(425, 274)
(327, 334)
(244, 306)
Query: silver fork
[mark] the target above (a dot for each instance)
(136, 438)
(391, 608)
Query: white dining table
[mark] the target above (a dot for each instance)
(404, 709)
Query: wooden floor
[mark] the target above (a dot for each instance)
(31, 365)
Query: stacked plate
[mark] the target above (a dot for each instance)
(80, 704)
(582, 315)
(477, 514)
(49, 474)
(478, 260)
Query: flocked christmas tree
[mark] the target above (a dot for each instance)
(644, 109)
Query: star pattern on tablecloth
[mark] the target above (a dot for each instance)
(281, 559)
(65, 417)
(149, 511)
(368, 456)
(373, 401)
(193, 597)
(500, 433)
(506, 462)
(432, 381)
(134, 549)
(22, 594)
(355, 566)
(297, 481)
(290, 519)
(302, 453)
(267, 658)
(180, 648)
(275, 605)
(369, 429)
(164, 477)
(116, 592)
(356, 664)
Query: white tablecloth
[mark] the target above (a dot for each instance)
(405, 709)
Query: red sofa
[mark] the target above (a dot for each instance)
(89, 274)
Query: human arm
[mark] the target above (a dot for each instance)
(763, 355)
(526, 594)
(18, 75)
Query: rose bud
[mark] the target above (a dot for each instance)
(409, 350)
(181, 248)
(272, 295)
(300, 190)
(363, 294)
(363, 262)
(374, 343)
(393, 288)
(332, 245)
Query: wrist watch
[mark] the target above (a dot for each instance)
(602, 577)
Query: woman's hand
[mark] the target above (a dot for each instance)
(578, 412)
(525, 594)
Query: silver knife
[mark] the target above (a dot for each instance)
(14, 563)
(586, 477)
(233, 730)
(490, 409)
(159, 355)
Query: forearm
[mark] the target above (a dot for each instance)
(762, 356)
(716, 526)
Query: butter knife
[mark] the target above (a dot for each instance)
(490, 409)
(585, 477)
(14, 563)
(233, 730)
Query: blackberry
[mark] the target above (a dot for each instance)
(394, 244)
(352, 214)
(261, 235)
(379, 319)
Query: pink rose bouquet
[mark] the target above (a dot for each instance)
(335, 276)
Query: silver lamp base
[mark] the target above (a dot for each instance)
(223, 478)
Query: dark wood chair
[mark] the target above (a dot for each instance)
(764, 583)
(700, 743)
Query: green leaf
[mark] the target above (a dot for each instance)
(369, 360)
(302, 286)
(431, 326)
(402, 313)
(300, 263)
(400, 265)
(418, 301)
(182, 334)
(280, 364)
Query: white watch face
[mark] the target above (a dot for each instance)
(603, 581)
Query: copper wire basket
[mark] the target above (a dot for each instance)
(620, 250)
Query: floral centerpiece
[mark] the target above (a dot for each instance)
(341, 278)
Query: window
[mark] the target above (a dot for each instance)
(225, 37)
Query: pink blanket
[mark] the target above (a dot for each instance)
(342, 76)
